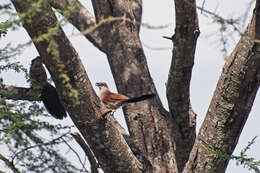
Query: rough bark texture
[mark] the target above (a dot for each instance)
(147, 121)
(178, 85)
(69, 76)
(230, 105)
(18, 93)
(80, 17)
(158, 141)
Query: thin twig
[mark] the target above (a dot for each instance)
(9, 163)
(156, 48)
(104, 21)
(87, 150)
(228, 21)
(202, 7)
(75, 152)
(148, 26)
(40, 144)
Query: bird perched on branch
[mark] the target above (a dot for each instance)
(37, 74)
(49, 95)
(113, 100)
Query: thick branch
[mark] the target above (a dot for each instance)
(86, 149)
(80, 17)
(102, 9)
(18, 93)
(230, 105)
(178, 87)
(75, 89)
(147, 120)
(117, 8)
(136, 6)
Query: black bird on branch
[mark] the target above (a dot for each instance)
(49, 95)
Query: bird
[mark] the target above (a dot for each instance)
(113, 101)
(48, 93)
(51, 101)
(37, 73)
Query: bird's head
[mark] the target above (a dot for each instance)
(101, 85)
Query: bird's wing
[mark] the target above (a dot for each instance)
(113, 97)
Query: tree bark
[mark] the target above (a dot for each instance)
(75, 89)
(158, 141)
(81, 18)
(18, 93)
(178, 84)
(146, 121)
(230, 105)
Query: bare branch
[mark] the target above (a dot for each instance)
(178, 87)
(9, 163)
(146, 120)
(80, 17)
(231, 21)
(84, 146)
(155, 48)
(18, 93)
(123, 19)
(149, 26)
(102, 9)
(75, 89)
(231, 103)
(37, 145)
(202, 7)
(105, 8)
(75, 152)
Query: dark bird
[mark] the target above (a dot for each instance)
(49, 95)
(51, 101)
(37, 73)
(113, 100)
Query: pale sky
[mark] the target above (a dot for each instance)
(207, 68)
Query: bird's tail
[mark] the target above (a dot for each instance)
(52, 103)
(138, 99)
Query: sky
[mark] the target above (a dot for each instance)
(209, 60)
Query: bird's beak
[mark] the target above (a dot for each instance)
(97, 84)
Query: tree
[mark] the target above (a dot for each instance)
(158, 140)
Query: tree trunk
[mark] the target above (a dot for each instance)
(231, 103)
(159, 141)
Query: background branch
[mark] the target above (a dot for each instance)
(231, 103)
(75, 89)
(39, 144)
(84, 146)
(18, 93)
(9, 163)
(79, 17)
(75, 152)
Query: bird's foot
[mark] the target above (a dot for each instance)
(111, 112)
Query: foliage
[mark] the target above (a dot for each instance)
(241, 159)
(22, 134)
(23, 128)
(4, 27)
(22, 123)
(245, 161)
